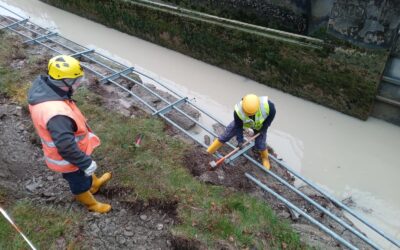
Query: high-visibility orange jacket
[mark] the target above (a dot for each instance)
(42, 112)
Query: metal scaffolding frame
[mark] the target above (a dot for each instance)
(36, 34)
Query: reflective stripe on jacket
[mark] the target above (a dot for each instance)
(41, 113)
(260, 116)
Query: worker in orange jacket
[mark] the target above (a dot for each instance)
(67, 140)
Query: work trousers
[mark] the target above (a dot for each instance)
(78, 181)
(260, 142)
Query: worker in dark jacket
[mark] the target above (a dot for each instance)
(252, 112)
(67, 140)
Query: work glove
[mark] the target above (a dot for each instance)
(249, 132)
(91, 169)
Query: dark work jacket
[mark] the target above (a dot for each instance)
(266, 123)
(61, 127)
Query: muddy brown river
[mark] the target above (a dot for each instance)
(344, 155)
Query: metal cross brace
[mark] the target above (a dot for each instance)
(16, 23)
(116, 75)
(171, 106)
(79, 54)
(239, 153)
(37, 39)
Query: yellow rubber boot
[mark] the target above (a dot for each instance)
(214, 146)
(98, 182)
(265, 159)
(91, 203)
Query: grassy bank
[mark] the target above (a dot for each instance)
(335, 76)
(275, 15)
(155, 174)
(152, 174)
(43, 226)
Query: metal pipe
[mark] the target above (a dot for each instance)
(20, 24)
(318, 206)
(16, 31)
(133, 94)
(334, 200)
(169, 89)
(312, 220)
(341, 222)
(15, 23)
(154, 80)
(173, 107)
(279, 32)
(115, 83)
(182, 130)
(1, 6)
(169, 107)
(106, 57)
(199, 109)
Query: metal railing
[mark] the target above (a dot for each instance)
(115, 71)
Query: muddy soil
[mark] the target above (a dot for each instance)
(24, 173)
(232, 175)
(138, 226)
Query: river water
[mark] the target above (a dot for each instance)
(344, 155)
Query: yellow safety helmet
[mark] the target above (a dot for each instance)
(64, 67)
(250, 104)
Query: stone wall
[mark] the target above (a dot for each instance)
(368, 22)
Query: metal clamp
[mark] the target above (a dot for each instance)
(79, 54)
(37, 39)
(14, 24)
(116, 75)
(231, 159)
(171, 106)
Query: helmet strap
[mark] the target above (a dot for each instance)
(70, 90)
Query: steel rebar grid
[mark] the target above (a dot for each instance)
(311, 219)
(318, 206)
(106, 66)
(130, 92)
(288, 185)
(189, 118)
(338, 203)
(122, 75)
(338, 220)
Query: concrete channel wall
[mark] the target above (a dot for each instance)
(396, 47)
(344, 78)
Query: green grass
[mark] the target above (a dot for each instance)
(42, 226)
(154, 172)
(3, 195)
(15, 83)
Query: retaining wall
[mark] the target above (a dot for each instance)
(288, 15)
(396, 47)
